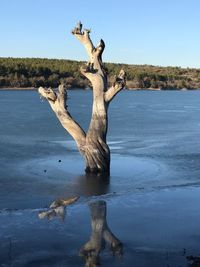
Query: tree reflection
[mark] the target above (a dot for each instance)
(101, 235)
(57, 208)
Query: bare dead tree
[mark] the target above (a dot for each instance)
(101, 235)
(92, 145)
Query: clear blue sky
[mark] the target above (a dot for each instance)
(157, 32)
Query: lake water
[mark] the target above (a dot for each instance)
(152, 195)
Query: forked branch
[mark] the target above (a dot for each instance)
(94, 65)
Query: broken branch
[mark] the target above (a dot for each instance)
(118, 84)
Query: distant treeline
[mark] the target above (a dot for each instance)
(35, 72)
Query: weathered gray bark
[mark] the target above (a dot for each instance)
(101, 234)
(92, 144)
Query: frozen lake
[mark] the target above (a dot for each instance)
(152, 195)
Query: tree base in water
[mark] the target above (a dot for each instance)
(97, 171)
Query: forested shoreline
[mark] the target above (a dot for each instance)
(34, 72)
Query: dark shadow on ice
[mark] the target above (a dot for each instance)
(193, 261)
(100, 236)
(93, 184)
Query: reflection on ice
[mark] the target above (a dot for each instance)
(101, 235)
(57, 208)
(55, 212)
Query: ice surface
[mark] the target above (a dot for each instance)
(152, 194)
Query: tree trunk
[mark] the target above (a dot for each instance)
(92, 144)
(97, 155)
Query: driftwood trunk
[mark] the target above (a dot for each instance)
(92, 145)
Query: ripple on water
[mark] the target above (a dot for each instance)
(127, 172)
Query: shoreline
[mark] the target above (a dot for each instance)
(17, 88)
(86, 89)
